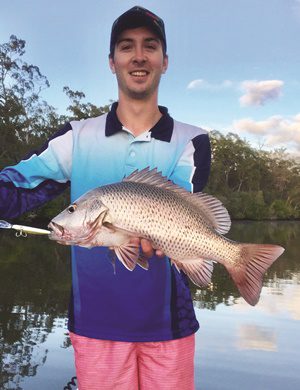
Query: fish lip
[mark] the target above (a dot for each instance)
(56, 231)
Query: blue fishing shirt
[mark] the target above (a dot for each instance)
(153, 305)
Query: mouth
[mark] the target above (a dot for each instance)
(56, 231)
(139, 73)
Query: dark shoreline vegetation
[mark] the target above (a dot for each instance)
(253, 184)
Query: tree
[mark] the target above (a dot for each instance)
(23, 115)
(80, 110)
(253, 184)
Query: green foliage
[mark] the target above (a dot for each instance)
(253, 184)
(23, 115)
(80, 110)
(280, 209)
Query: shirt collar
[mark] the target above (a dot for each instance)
(162, 130)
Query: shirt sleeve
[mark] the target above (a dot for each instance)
(39, 177)
(193, 167)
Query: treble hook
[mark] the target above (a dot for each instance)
(21, 233)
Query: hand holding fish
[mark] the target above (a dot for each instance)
(148, 250)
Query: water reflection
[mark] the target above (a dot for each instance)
(257, 337)
(246, 347)
(34, 289)
(34, 293)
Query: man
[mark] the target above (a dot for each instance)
(130, 330)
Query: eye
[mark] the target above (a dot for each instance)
(151, 47)
(72, 208)
(125, 47)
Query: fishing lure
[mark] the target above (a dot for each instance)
(21, 230)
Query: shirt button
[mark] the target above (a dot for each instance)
(132, 154)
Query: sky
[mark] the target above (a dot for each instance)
(234, 65)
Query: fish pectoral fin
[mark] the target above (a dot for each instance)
(115, 228)
(198, 270)
(128, 254)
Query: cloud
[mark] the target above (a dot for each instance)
(277, 130)
(202, 84)
(196, 84)
(259, 92)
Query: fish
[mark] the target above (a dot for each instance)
(189, 228)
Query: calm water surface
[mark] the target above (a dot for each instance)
(238, 346)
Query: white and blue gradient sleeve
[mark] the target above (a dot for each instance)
(39, 177)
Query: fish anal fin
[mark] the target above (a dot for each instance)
(198, 270)
(248, 276)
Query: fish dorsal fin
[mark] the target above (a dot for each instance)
(147, 176)
(211, 209)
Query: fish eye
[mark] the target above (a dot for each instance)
(72, 208)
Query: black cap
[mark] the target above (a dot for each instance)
(138, 17)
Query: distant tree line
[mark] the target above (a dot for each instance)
(253, 184)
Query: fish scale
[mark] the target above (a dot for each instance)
(188, 228)
(179, 241)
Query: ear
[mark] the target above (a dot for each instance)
(112, 64)
(165, 63)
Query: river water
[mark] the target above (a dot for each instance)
(237, 347)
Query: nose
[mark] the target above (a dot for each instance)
(139, 55)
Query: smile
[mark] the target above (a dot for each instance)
(139, 73)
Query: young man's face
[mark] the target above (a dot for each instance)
(138, 63)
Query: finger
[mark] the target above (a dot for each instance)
(147, 248)
(135, 241)
(159, 253)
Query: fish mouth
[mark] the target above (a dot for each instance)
(63, 236)
(59, 234)
(56, 231)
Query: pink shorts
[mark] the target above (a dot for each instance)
(118, 365)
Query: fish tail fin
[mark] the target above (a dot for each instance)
(248, 275)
